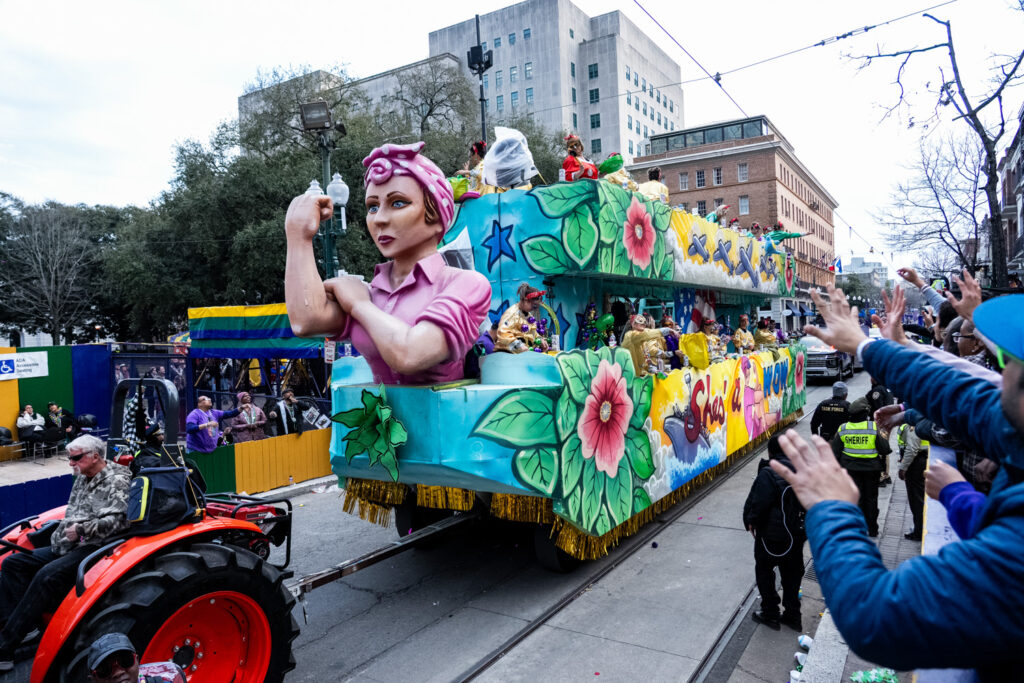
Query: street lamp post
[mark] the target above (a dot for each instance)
(480, 61)
(316, 118)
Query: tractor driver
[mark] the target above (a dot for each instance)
(33, 583)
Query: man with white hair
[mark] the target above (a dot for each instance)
(32, 583)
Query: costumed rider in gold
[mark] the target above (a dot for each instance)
(647, 346)
(741, 338)
(763, 336)
(517, 329)
(716, 347)
(654, 189)
(474, 169)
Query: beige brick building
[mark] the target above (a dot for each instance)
(749, 165)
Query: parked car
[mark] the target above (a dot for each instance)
(827, 361)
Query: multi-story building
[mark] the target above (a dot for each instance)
(749, 165)
(599, 77)
(877, 274)
(1011, 182)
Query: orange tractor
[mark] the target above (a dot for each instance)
(203, 594)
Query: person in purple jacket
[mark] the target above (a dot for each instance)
(202, 426)
(961, 608)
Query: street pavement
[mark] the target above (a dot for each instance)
(430, 614)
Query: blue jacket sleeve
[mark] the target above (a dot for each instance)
(966, 406)
(957, 609)
(964, 506)
(933, 298)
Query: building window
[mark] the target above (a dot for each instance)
(487, 105)
(485, 82)
(497, 79)
(595, 95)
(631, 147)
(571, 34)
(645, 109)
(526, 34)
(657, 97)
(500, 103)
(643, 84)
(572, 69)
(574, 126)
(497, 43)
(592, 70)
(515, 99)
(595, 120)
(636, 79)
(484, 46)
(671, 106)
(645, 131)
(574, 95)
(629, 98)
(652, 113)
(742, 175)
(511, 39)
(595, 146)
(700, 179)
(629, 122)
(659, 118)
(684, 181)
(528, 71)
(672, 125)
(636, 103)
(513, 74)
(529, 95)
(627, 73)
(716, 175)
(702, 207)
(686, 206)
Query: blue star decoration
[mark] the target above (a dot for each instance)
(496, 313)
(499, 243)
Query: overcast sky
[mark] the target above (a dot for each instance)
(94, 95)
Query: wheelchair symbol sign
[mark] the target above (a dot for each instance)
(6, 367)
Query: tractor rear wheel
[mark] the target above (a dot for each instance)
(220, 612)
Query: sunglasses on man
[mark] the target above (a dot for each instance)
(77, 456)
(124, 659)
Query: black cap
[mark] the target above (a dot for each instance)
(106, 645)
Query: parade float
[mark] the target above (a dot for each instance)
(572, 434)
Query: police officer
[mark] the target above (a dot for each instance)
(831, 413)
(912, 468)
(860, 450)
(878, 396)
(901, 440)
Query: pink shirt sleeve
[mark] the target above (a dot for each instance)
(458, 310)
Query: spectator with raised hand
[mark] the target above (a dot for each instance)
(970, 298)
(964, 604)
(933, 298)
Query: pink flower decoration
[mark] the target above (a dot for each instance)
(638, 234)
(606, 414)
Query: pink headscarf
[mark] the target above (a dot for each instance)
(389, 160)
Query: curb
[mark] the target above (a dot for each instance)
(298, 489)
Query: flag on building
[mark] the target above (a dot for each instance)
(837, 265)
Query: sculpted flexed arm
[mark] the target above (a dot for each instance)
(310, 311)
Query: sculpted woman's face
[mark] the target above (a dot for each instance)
(395, 217)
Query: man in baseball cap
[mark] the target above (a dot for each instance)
(112, 659)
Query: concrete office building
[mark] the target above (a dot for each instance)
(600, 77)
(874, 272)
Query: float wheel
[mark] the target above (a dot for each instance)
(218, 611)
(550, 556)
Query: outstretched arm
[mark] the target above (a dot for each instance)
(310, 312)
(407, 349)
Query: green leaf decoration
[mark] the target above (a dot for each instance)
(350, 418)
(605, 258)
(574, 503)
(605, 353)
(538, 467)
(579, 235)
(641, 501)
(644, 272)
(558, 200)
(618, 491)
(638, 448)
(593, 493)
(571, 463)
(621, 265)
(612, 217)
(603, 523)
(658, 257)
(667, 269)
(522, 417)
(546, 255)
(575, 374)
(374, 431)
(642, 389)
(661, 216)
(567, 414)
(594, 359)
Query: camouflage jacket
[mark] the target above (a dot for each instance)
(98, 504)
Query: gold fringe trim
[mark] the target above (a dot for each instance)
(444, 497)
(520, 508)
(374, 499)
(583, 546)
